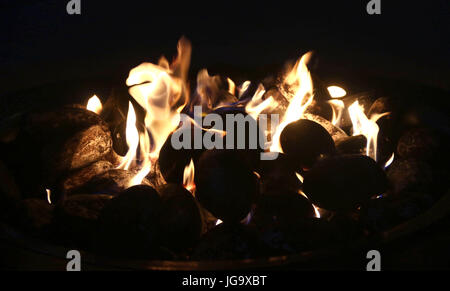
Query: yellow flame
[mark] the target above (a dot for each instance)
(162, 92)
(243, 88)
(231, 86)
(365, 126)
(338, 108)
(94, 104)
(132, 137)
(336, 92)
(188, 177)
(389, 162)
(299, 177)
(300, 82)
(258, 105)
(218, 222)
(49, 193)
(316, 209)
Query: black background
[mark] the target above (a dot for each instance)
(41, 43)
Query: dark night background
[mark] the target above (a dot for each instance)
(41, 43)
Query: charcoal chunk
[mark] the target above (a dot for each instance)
(344, 182)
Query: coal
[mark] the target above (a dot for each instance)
(320, 108)
(172, 162)
(239, 133)
(51, 143)
(76, 218)
(114, 112)
(180, 219)
(389, 211)
(229, 242)
(83, 148)
(344, 182)
(335, 132)
(9, 191)
(351, 145)
(33, 216)
(128, 224)
(300, 235)
(305, 141)
(225, 185)
(409, 175)
(418, 143)
(389, 127)
(78, 178)
(281, 207)
(278, 175)
(111, 182)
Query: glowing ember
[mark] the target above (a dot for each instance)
(188, 177)
(365, 126)
(94, 104)
(336, 92)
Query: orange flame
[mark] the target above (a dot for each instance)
(188, 177)
(94, 104)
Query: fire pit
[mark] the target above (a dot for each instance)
(225, 176)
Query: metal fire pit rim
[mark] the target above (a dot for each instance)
(41, 246)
